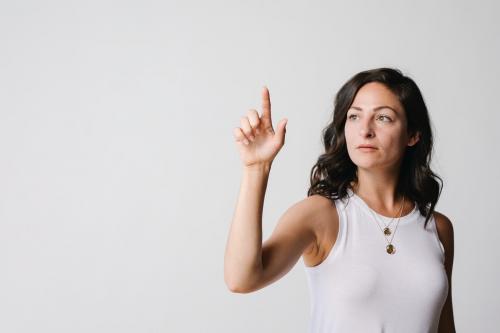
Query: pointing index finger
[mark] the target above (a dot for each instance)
(266, 106)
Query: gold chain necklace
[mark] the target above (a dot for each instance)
(390, 248)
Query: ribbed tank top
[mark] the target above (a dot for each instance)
(359, 287)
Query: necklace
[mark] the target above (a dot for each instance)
(387, 230)
(390, 248)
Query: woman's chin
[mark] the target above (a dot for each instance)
(366, 163)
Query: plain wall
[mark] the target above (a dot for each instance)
(118, 168)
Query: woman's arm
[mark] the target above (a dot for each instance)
(446, 235)
(251, 265)
(243, 256)
(258, 144)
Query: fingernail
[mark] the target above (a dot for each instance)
(245, 141)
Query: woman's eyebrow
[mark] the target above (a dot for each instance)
(377, 108)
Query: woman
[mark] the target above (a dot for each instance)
(377, 256)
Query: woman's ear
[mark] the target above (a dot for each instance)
(414, 139)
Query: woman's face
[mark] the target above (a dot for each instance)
(376, 118)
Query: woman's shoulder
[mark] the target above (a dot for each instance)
(445, 232)
(313, 210)
(324, 221)
(324, 214)
(443, 223)
(319, 204)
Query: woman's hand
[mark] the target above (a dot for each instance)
(256, 139)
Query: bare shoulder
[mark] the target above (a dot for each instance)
(316, 201)
(324, 223)
(444, 226)
(445, 231)
(322, 210)
(314, 206)
(446, 235)
(309, 215)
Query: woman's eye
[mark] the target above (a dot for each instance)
(382, 116)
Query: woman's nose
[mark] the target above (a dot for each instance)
(366, 128)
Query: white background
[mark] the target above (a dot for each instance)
(119, 173)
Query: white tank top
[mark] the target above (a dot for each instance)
(359, 287)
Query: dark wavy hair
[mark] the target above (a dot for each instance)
(334, 170)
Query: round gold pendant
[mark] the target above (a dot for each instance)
(387, 231)
(390, 249)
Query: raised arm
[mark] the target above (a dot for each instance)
(251, 265)
(258, 144)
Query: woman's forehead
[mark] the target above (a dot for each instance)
(376, 96)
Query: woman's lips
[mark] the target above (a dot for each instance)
(367, 149)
